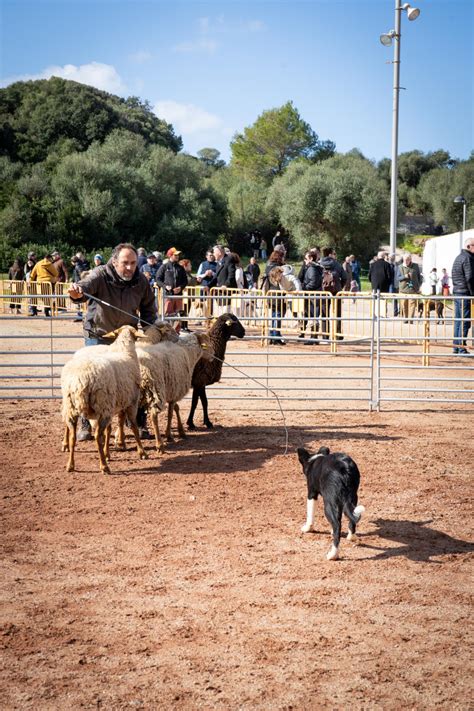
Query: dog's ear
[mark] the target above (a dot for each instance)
(324, 450)
(303, 455)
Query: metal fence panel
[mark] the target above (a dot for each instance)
(349, 348)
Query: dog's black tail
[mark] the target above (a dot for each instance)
(354, 514)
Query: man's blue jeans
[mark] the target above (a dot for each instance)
(462, 321)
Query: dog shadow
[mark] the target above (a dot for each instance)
(418, 542)
(244, 448)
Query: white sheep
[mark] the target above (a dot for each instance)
(97, 383)
(166, 373)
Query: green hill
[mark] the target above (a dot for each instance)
(56, 115)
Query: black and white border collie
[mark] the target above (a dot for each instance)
(336, 478)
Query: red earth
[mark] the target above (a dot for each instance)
(184, 582)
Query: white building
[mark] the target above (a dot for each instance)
(440, 252)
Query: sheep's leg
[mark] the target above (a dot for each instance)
(99, 438)
(120, 433)
(203, 396)
(194, 402)
(160, 447)
(181, 431)
(168, 434)
(65, 445)
(133, 424)
(71, 444)
(108, 431)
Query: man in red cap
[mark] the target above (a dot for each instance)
(171, 277)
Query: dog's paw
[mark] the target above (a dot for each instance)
(352, 537)
(307, 527)
(333, 553)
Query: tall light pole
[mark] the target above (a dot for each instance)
(460, 200)
(387, 39)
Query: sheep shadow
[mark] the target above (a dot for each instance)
(418, 542)
(244, 448)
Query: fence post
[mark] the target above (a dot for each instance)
(375, 346)
(426, 333)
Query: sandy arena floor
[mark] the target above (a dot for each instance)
(183, 582)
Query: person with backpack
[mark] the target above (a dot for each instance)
(334, 278)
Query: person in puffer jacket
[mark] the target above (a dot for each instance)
(462, 277)
(311, 275)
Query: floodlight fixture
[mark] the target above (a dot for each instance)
(387, 38)
(412, 12)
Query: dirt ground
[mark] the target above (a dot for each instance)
(184, 582)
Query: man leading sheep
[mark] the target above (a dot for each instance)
(120, 284)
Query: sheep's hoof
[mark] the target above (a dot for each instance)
(120, 446)
(307, 527)
(70, 468)
(209, 425)
(191, 426)
(65, 448)
(161, 448)
(183, 435)
(106, 470)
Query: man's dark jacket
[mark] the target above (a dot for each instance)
(225, 273)
(132, 297)
(171, 275)
(462, 274)
(381, 276)
(311, 277)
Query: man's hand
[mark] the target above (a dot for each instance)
(75, 291)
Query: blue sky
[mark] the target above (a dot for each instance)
(211, 68)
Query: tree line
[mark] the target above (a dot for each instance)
(83, 169)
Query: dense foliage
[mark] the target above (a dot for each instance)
(279, 136)
(38, 117)
(340, 202)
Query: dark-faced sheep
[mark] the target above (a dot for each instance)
(208, 372)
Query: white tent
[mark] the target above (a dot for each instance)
(440, 252)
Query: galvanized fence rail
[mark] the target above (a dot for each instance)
(361, 356)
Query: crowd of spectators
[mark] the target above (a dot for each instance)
(319, 271)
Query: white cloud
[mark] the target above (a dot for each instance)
(187, 118)
(200, 45)
(101, 76)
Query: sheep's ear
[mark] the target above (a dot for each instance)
(303, 455)
(324, 450)
(229, 322)
(204, 341)
(112, 335)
